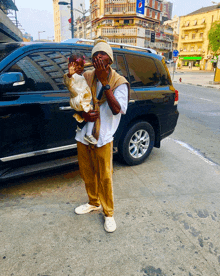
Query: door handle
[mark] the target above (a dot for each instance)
(65, 108)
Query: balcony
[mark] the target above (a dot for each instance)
(192, 40)
(196, 27)
(119, 32)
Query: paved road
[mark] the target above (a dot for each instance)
(167, 213)
(199, 121)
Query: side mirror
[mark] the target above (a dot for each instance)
(12, 78)
(11, 82)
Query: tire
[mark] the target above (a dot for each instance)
(137, 143)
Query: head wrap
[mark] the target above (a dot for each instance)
(102, 45)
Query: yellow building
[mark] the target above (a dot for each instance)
(193, 38)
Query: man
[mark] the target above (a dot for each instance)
(95, 162)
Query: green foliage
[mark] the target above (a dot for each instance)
(214, 36)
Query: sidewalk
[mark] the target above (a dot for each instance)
(198, 78)
(166, 210)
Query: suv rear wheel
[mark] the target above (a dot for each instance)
(137, 143)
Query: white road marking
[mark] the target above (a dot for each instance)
(194, 151)
(208, 100)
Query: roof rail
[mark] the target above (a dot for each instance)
(120, 45)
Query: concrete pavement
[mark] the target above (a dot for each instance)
(166, 209)
(199, 78)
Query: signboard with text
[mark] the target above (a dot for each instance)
(140, 6)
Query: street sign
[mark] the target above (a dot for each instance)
(175, 53)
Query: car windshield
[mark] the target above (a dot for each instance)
(7, 48)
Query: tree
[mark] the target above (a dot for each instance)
(214, 37)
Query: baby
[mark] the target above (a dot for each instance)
(80, 94)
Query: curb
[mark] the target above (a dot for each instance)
(187, 83)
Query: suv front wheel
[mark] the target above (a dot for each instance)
(137, 143)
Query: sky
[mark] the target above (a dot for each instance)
(37, 16)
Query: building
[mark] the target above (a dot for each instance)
(193, 43)
(62, 19)
(175, 25)
(83, 28)
(131, 22)
(27, 37)
(125, 21)
(9, 31)
(168, 9)
(121, 21)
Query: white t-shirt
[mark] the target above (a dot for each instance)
(109, 122)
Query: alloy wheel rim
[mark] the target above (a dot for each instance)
(139, 143)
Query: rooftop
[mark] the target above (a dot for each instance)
(206, 9)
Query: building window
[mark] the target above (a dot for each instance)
(147, 32)
(155, 15)
(193, 36)
(195, 22)
(192, 49)
(201, 35)
(153, 3)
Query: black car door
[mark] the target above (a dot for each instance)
(35, 118)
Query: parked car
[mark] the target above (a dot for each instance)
(170, 61)
(37, 128)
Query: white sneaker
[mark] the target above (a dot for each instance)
(86, 208)
(109, 225)
(90, 139)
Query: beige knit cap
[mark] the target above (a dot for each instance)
(102, 45)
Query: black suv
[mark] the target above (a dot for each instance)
(37, 128)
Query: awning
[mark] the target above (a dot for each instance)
(190, 58)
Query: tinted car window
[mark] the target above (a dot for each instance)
(142, 70)
(43, 71)
(6, 49)
(164, 77)
(121, 66)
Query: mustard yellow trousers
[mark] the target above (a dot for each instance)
(96, 169)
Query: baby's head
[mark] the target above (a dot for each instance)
(77, 62)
